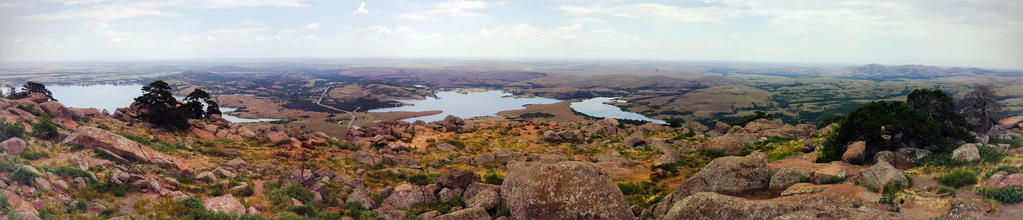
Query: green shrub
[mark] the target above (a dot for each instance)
(169, 148)
(23, 176)
(137, 138)
(72, 172)
(1014, 142)
(281, 197)
(945, 189)
(1013, 194)
(9, 130)
(248, 191)
(44, 128)
(890, 199)
(491, 177)
(33, 111)
(33, 154)
(642, 193)
(421, 179)
(958, 178)
(990, 154)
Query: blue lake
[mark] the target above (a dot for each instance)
(111, 97)
(596, 107)
(465, 105)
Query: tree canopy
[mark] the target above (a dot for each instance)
(162, 109)
(978, 107)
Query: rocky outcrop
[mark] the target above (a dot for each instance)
(608, 127)
(695, 127)
(727, 175)
(707, 205)
(787, 176)
(854, 153)
(1003, 179)
(967, 152)
(458, 179)
(562, 136)
(563, 190)
(405, 195)
(474, 213)
(882, 174)
(226, 203)
(14, 145)
(832, 173)
(728, 143)
(118, 146)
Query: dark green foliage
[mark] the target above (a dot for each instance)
(281, 197)
(958, 178)
(906, 127)
(162, 107)
(9, 130)
(978, 107)
(356, 210)
(491, 177)
(33, 154)
(34, 87)
(1012, 194)
(946, 190)
(941, 109)
(169, 148)
(892, 201)
(32, 110)
(747, 120)
(44, 128)
(194, 209)
(421, 179)
(990, 154)
(23, 176)
(536, 115)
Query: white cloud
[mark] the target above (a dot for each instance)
(361, 9)
(381, 29)
(654, 11)
(312, 26)
(453, 9)
(311, 37)
(112, 10)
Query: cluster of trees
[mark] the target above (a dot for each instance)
(29, 88)
(162, 109)
(929, 119)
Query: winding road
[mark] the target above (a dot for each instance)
(335, 109)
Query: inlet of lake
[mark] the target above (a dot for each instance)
(461, 104)
(111, 97)
(489, 103)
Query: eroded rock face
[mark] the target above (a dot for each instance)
(92, 137)
(727, 175)
(474, 213)
(563, 190)
(727, 143)
(1003, 179)
(607, 127)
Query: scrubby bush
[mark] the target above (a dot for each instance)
(747, 120)
(492, 177)
(1014, 142)
(44, 128)
(958, 178)
(946, 190)
(281, 197)
(421, 179)
(10, 130)
(641, 193)
(1013, 194)
(23, 176)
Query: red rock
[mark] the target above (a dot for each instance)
(203, 134)
(1002, 179)
(92, 137)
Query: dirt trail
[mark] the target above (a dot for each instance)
(352, 119)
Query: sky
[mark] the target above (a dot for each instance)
(976, 33)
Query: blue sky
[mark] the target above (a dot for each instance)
(933, 32)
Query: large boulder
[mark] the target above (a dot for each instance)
(1002, 179)
(473, 213)
(563, 190)
(14, 145)
(226, 203)
(92, 137)
(458, 179)
(727, 175)
(405, 195)
(788, 176)
(882, 174)
(1010, 122)
(607, 127)
(727, 143)
(834, 172)
(695, 127)
(966, 152)
(854, 153)
(707, 205)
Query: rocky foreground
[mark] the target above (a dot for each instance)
(104, 165)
